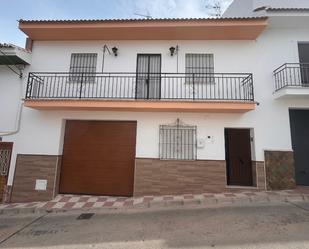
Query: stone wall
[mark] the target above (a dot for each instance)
(260, 176)
(2, 187)
(28, 169)
(280, 172)
(164, 177)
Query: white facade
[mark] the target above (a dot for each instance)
(250, 8)
(11, 90)
(42, 131)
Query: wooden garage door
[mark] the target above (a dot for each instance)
(98, 158)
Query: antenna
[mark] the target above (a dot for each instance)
(216, 7)
(148, 16)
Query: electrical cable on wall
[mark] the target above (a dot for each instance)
(105, 48)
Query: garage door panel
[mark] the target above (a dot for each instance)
(98, 158)
(89, 158)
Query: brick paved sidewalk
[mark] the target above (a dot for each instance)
(73, 202)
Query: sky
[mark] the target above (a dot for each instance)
(13, 10)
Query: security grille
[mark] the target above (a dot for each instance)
(177, 142)
(5, 155)
(82, 67)
(200, 68)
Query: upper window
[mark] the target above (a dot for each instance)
(200, 68)
(177, 142)
(82, 67)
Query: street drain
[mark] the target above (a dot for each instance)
(85, 216)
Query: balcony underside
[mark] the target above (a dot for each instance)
(292, 92)
(142, 105)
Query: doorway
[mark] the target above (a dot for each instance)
(148, 76)
(299, 122)
(303, 51)
(238, 157)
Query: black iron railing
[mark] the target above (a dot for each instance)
(292, 74)
(152, 86)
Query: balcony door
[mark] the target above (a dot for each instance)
(148, 76)
(303, 50)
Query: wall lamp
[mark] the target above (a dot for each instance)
(115, 51)
(172, 50)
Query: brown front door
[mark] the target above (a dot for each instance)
(238, 157)
(98, 158)
(5, 159)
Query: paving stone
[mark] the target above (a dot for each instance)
(139, 204)
(209, 201)
(8, 211)
(156, 204)
(225, 200)
(174, 203)
(292, 198)
(259, 198)
(277, 198)
(241, 199)
(28, 210)
(190, 202)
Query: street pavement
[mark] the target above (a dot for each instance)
(232, 225)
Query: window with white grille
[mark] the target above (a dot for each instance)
(177, 142)
(83, 67)
(200, 68)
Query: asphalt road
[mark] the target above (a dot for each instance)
(281, 225)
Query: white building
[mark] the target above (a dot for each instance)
(161, 106)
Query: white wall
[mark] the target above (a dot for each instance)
(41, 131)
(245, 8)
(237, 8)
(10, 97)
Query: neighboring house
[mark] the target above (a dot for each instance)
(13, 62)
(255, 8)
(163, 106)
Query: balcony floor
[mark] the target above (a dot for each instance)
(142, 105)
(292, 91)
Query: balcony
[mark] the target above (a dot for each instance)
(171, 92)
(292, 80)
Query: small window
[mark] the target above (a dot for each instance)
(177, 142)
(82, 67)
(200, 68)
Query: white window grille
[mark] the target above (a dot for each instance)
(83, 67)
(177, 142)
(200, 68)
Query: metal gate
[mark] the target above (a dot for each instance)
(5, 159)
(148, 76)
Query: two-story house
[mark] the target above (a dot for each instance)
(13, 62)
(162, 106)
